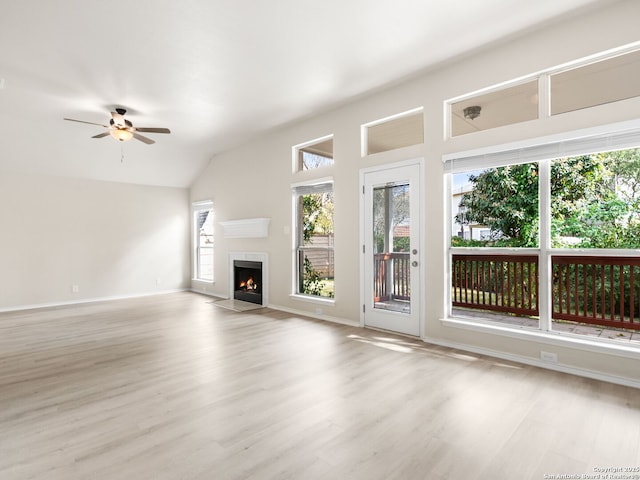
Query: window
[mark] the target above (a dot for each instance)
(315, 154)
(496, 207)
(604, 78)
(570, 218)
(504, 106)
(596, 83)
(595, 201)
(203, 241)
(402, 130)
(314, 239)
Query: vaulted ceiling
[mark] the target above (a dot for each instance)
(216, 72)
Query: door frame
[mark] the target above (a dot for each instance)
(421, 234)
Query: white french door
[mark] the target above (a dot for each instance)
(391, 248)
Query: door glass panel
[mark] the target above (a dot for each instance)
(391, 235)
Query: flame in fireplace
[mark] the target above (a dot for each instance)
(249, 284)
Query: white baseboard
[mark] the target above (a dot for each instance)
(88, 300)
(558, 367)
(625, 381)
(208, 293)
(211, 293)
(328, 318)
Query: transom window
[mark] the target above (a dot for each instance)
(598, 80)
(398, 131)
(315, 154)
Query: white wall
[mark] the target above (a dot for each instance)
(109, 239)
(255, 180)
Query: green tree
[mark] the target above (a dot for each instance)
(396, 199)
(505, 199)
(606, 212)
(317, 218)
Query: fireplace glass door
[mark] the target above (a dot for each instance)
(247, 279)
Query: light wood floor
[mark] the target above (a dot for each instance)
(172, 387)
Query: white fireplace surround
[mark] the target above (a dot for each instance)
(252, 257)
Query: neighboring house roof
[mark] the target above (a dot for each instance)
(401, 231)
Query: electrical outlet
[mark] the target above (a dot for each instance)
(75, 289)
(548, 357)
(319, 311)
(158, 281)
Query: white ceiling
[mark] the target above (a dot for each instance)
(216, 72)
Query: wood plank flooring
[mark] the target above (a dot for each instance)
(173, 387)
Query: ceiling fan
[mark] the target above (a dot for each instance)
(122, 129)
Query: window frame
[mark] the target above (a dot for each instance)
(389, 120)
(544, 78)
(197, 208)
(320, 185)
(544, 150)
(297, 153)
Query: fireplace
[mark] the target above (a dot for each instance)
(247, 281)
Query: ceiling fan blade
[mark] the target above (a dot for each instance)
(152, 130)
(146, 140)
(118, 119)
(82, 121)
(101, 135)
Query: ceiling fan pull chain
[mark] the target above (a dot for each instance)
(121, 153)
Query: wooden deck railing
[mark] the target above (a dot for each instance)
(392, 276)
(501, 283)
(597, 290)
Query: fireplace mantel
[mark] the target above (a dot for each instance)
(246, 228)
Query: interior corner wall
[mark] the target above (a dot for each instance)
(110, 240)
(255, 180)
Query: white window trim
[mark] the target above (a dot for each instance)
(364, 128)
(295, 191)
(312, 299)
(564, 339)
(543, 76)
(195, 270)
(615, 136)
(295, 152)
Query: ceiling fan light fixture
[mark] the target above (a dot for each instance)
(122, 129)
(121, 134)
